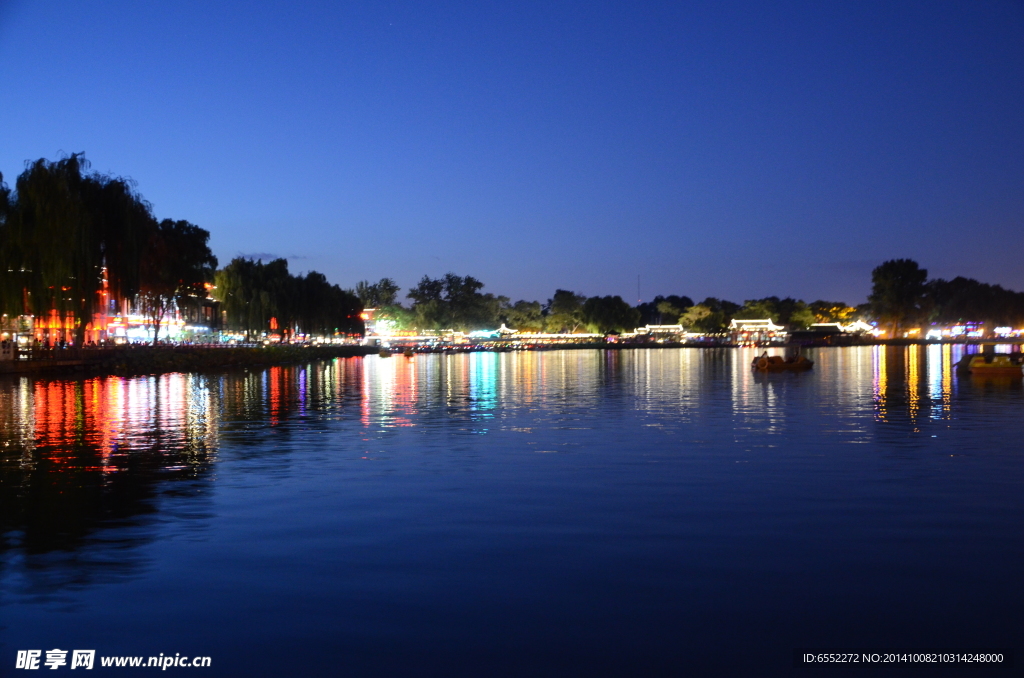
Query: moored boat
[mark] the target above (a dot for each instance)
(994, 364)
(776, 363)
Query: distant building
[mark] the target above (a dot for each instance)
(856, 327)
(832, 334)
(660, 329)
(756, 331)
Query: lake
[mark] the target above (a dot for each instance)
(588, 512)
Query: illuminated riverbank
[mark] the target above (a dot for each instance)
(135, 359)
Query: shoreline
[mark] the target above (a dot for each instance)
(142, 360)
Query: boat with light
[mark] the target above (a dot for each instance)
(777, 363)
(994, 364)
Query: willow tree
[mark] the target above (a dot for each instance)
(324, 309)
(64, 230)
(123, 224)
(52, 239)
(176, 265)
(253, 295)
(10, 298)
(247, 293)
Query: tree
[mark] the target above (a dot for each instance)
(324, 309)
(258, 297)
(59, 269)
(237, 287)
(791, 312)
(667, 311)
(797, 316)
(759, 309)
(396, 316)
(897, 293)
(383, 296)
(5, 200)
(967, 300)
(832, 311)
(454, 302)
(379, 294)
(664, 310)
(429, 307)
(525, 316)
(282, 291)
(710, 315)
(253, 293)
(609, 314)
(66, 232)
(565, 311)
(122, 222)
(177, 264)
(695, 317)
(10, 297)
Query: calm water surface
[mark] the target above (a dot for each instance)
(645, 512)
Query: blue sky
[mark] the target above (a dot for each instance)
(732, 149)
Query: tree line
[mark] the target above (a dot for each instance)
(458, 302)
(257, 297)
(902, 296)
(74, 243)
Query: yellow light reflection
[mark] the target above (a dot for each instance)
(913, 377)
(880, 381)
(947, 378)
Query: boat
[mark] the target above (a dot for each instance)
(776, 363)
(384, 353)
(408, 353)
(992, 364)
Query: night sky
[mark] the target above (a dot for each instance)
(732, 149)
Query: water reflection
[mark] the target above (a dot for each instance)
(83, 464)
(87, 465)
(88, 468)
(918, 383)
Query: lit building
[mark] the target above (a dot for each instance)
(756, 331)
